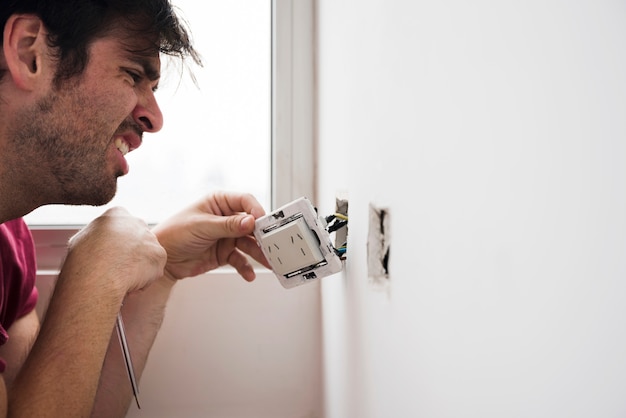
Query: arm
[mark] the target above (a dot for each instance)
(143, 313)
(22, 335)
(213, 232)
(115, 254)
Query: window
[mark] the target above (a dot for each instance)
(256, 86)
(216, 134)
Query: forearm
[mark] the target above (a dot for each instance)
(114, 255)
(143, 313)
(60, 376)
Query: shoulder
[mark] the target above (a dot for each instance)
(16, 240)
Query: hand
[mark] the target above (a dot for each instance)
(120, 248)
(213, 232)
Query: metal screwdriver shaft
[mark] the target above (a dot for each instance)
(121, 333)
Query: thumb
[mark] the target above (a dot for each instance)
(236, 225)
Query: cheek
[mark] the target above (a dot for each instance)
(113, 96)
(108, 110)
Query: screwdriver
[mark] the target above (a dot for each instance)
(121, 333)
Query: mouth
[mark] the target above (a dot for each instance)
(122, 145)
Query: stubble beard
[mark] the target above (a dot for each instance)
(65, 150)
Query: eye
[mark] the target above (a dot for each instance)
(136, 77)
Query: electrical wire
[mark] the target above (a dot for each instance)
(335, 222)
(336, 225)
(341, 216)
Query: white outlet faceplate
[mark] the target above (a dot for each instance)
(296, 245)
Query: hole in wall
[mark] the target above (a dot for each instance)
(378, 241)
(341, 235)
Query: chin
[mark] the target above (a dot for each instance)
(104, 197)
(97, 195)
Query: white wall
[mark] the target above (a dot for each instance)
(495, 133)
(233, 349)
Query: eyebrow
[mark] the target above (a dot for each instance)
(151, 71)
(143, 55)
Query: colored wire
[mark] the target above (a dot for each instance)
(340, 221)
(341, 216)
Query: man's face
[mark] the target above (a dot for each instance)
(79, 133)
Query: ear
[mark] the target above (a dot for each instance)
(25, 47)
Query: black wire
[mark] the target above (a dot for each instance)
(337, 225)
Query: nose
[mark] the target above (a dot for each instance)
(148, 114)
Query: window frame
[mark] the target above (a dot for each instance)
(293, 101)
(292, 123)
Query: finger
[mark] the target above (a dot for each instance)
(249, 246)
(252, 206)
(214, 227)
(240, 262)
(230, 203)
(116, 211)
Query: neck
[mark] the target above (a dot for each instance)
(13, 206)
(19, 195)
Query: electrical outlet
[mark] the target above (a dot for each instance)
(291, 247)
(296, 244)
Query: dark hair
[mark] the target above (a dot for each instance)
(74, 24)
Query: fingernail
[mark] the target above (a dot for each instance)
(247, 222)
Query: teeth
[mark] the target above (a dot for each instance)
(122, 146)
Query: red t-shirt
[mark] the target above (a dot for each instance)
(18, 294)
